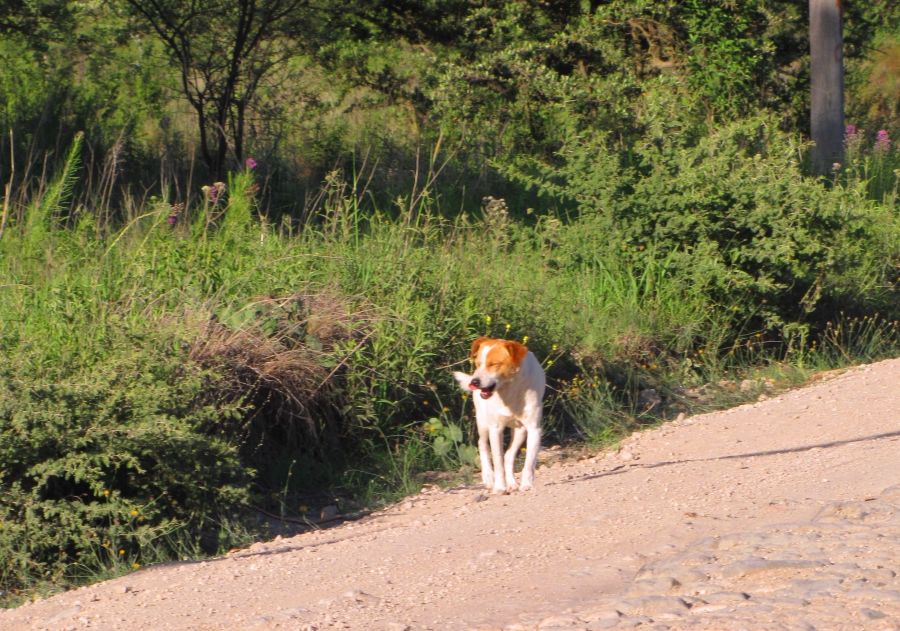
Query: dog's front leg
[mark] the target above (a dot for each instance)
(495, 432)
(509, 459)
(532, 447)
(487, 473)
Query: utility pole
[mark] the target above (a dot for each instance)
(826, 47)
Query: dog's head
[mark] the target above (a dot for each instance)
(495, 361)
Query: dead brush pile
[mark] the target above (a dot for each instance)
(284, 356)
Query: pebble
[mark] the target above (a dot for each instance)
(560, 622)
(609, 622)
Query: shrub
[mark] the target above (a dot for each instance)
(777, 246)
(103, 462)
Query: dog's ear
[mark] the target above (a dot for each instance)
(517, 352)
(473, 354)
(463, 380)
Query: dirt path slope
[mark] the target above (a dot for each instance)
(778, 514)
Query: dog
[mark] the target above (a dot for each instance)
(509, 383)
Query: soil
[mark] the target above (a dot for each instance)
(784, 513)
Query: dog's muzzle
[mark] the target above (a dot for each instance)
(485, 391)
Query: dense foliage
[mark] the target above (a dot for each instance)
(240, 252)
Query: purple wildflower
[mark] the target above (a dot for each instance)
(882, 141)
(251, 163)
(172, 219)
(851, 136)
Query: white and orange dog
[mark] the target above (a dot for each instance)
(509, 382)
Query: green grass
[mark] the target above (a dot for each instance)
(166, 376)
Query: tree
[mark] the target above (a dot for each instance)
(37, 21)
(826, 83)
(224, 48)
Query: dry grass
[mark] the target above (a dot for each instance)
(283, 353)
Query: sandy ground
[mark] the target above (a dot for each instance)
(784, 513)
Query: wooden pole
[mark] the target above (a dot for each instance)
(826, 46)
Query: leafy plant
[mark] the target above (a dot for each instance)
(450, 444)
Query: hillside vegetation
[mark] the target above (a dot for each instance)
(236, 290)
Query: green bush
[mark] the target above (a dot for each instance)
(101, 463)
(778, 246)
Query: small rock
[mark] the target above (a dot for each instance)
(698, 609)
(361, 597)
(561, 622)
(62, 615)
(329, 512)
(653, 605)
(634, 621)
(626, 455)
(752, 566)
(726, 598)
(655, 584)
(872, 614)
(649, 399)
(603, 620)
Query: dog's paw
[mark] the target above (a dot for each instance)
(498, 490)
(511, 486)
(526, 485)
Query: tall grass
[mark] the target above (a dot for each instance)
(164, 376)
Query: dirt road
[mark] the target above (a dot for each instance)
(779, 514)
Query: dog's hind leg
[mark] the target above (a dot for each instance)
(484, 452)
(509, 460)
(495, 433)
